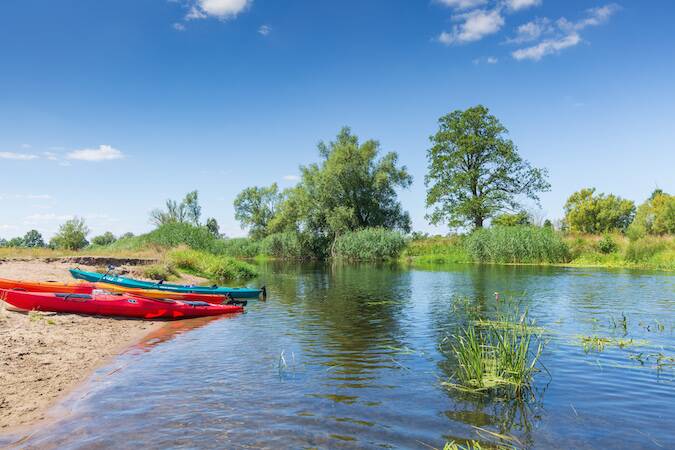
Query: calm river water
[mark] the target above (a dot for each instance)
(347, 356)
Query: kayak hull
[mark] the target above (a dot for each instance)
(114, 305)
(164, 287)
(83, 287)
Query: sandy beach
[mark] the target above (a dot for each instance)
(44, 355)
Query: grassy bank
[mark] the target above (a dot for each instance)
(532, 245)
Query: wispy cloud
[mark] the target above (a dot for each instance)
(462, 4)
(178, 26)
(264, 30)
(565, 34)
(474, 26)
(102, 153)
(517, 5)
(219, 9)
(49, 217)
(291, 178)
(486, 60)
(25, 196)
(18, 156)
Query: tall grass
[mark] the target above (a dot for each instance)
(519, 244)
(497, 359)
(369, 244)
(208, 265)
(437, 249)
(239, 247)
(169, 236)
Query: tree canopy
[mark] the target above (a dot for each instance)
(187, 210)
(106, 238)
(588, 212)
(255, 207)
(72, 235)
(655, 216)
(475, 171)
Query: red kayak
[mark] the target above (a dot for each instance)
(114, 305)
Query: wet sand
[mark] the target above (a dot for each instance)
(44, 355)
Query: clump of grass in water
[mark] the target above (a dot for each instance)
(473, 445)
(599, 343)
(493, 359)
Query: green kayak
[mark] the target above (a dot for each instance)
(138, 284)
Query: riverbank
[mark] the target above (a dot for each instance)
(44, 355)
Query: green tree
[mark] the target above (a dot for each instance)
(15, 242)
(349, 189)
(106, 238)
(654, 216)
(255, 207)
(588, 212)
(72, 235)
(475, 171)
(511, 220)
(187, 210)
(212, 226)
(33, 238)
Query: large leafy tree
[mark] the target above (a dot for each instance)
(33, 238)
(349, 189)
(106, 238)
(187, 210)
(588, 212)
(655, 216)
(255, 207)
(72, 235)
(475, 171)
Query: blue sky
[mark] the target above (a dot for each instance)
(108, 110)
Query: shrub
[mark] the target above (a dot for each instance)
(588, 212)
(239, 247)
(214, 267)
(106, 238)
(511, 220)
(655, 216)
(174, 234)
(607, 244)
(159, 271)
(33, 239)
(642, 250)
(369, 244)
(519, 244)
(282, 245)
(72, 235)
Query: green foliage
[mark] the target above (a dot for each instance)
(214, 267)
(239, 247)
(106, 238)
(348, 190)
(587, 212)
(33, 239)
(500, 359)
(656, 216)
(159, 271)
(511, 220)
(642, 250)
(187, 211)
(255, 207)
(607, 244)
(72, 235)
(170, 235)
(15, 242)
(475, 171)
(369, 244)
(284, 245)
(518, 244)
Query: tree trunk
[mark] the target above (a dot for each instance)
(478, 222)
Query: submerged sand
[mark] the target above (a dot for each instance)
(43, 355)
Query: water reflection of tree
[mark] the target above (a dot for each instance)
(354, 311)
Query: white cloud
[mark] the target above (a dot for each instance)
(517, 5)
(17, 156)
(531, 31)
(25, 196)
(476, 25)
(462, 4)
(26, 146)
(566, 33)
(220, 9)
(547, 47)
(50, 217)
(491, 60)
(178, 26)
(102, 153)
(291, 178)
(50, 156)
(264, 30)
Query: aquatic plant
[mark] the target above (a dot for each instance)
(497, 358)
(519, 244)
(369, 244)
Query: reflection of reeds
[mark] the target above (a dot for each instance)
(495, 357)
